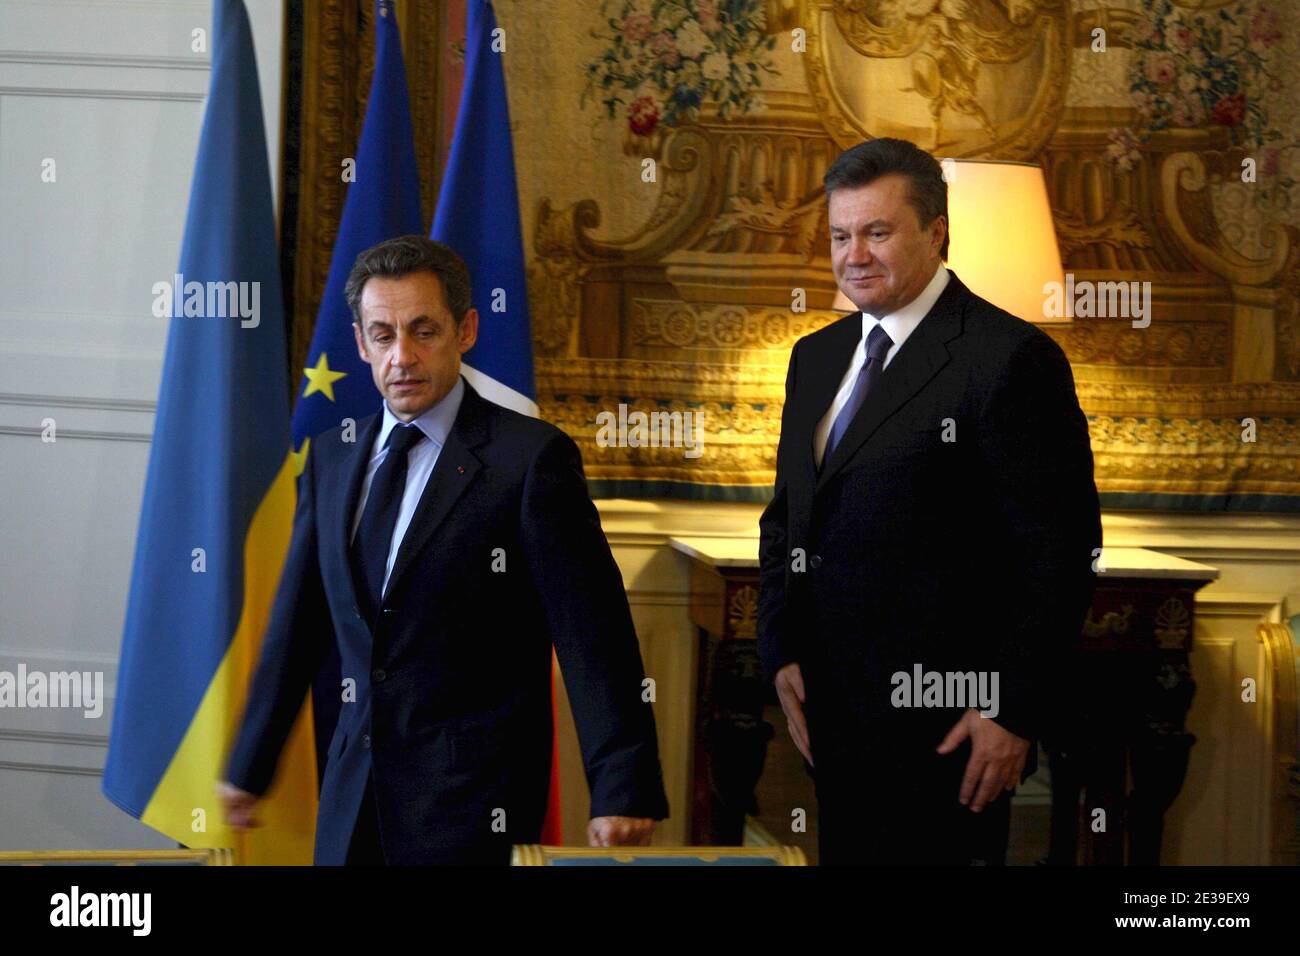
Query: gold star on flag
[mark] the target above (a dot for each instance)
(322, 378)
(299, 458)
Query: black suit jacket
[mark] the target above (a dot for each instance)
(964, 555)
(453, 708)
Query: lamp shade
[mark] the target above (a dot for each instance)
(1002, 241)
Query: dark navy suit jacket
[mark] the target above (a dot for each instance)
(954, 526)
(453, 708)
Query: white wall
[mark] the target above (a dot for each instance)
(111, 91)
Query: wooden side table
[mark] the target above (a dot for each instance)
(731, 735)
(1129, 692)
(1130, 688)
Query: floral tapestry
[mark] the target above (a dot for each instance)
(670, 155)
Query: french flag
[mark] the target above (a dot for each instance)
(478, 216)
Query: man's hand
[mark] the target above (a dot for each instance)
(789, 688)
(619, 831)
(239, 806)
(997, 758)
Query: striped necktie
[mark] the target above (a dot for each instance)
(878, 345)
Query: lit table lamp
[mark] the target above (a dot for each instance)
(1003, 243)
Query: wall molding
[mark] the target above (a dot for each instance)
(91, 94)
(51, 768)
(1255, 607)
(95, 403)
(108, 60)
(53, 737)
(155, 6)
(31, 431)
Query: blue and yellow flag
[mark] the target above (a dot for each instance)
(218, 499)
(383, 202)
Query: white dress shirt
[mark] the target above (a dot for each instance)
(898, 326)
(436, 424)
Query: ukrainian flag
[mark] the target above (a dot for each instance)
(218, 500)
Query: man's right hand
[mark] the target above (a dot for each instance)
(789, 688)
(238, 804)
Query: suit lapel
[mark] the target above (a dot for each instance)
(455, 470)
(921, 357)
(827, 364)
(354, 473)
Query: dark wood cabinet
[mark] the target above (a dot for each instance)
(1124, 750)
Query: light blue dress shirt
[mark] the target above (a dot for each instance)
(436, 424)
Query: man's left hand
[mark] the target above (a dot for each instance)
(619, 831)
(997, 758)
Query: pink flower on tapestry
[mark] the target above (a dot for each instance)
(1264, 30)
(689, 56)
(1180, 38)
(1207, 63)
(1161, 68)
(637, 27)
(664, 47)
(643, 115)
(1230, 110)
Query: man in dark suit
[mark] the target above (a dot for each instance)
(446, 549)
(935, 512)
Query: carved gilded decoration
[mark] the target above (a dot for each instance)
(689, 302)
(677, 250)
(974, 78)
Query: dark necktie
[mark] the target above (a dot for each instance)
(375, 533)
(878, 344)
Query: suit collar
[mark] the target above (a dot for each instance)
(918, 360)
(456, 468)
(455, 471)
(899, 325)
(355, 471)
(436, 423)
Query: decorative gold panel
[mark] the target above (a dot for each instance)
(670, 161)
